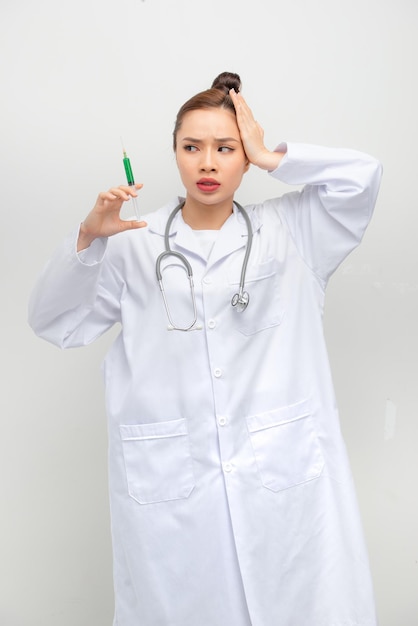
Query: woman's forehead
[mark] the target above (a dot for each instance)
(214, 122)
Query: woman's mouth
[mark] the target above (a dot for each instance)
(208, 185)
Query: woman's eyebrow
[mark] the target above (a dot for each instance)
(227, 139)
(218, 140)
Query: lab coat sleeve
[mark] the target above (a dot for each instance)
(76, 298)
(328, 217)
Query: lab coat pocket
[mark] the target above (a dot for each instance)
(264, 309)
(286, 447)
(158, 461)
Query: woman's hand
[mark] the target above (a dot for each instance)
(104, 219)
(252, 136)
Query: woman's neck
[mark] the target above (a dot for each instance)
(206, 217)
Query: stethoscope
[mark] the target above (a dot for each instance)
(239, 301)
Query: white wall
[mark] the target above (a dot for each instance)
(76, 76)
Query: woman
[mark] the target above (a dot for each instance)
(232, 500)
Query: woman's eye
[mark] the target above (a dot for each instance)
(190, 148)
(225, 149)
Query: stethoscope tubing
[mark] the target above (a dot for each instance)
(241, 298)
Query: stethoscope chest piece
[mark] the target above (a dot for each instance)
(240, 301)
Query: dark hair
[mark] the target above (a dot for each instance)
(215, 97)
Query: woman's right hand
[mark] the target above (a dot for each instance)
(104, 219)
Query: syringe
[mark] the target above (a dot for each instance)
(131, 181)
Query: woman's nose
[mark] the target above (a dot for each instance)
(208, 161)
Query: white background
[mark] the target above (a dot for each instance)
(74, 77)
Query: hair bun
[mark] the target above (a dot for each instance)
(227, 81)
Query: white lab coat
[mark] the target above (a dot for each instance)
(232, 500)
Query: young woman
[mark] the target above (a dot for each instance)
(232, 500)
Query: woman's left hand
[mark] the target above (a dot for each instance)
(252, 136)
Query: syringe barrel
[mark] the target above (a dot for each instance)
(128, 171)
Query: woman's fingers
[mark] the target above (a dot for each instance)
(130, 190)
(104, 219)
(244, 113)
(122, 193)
(252, 134)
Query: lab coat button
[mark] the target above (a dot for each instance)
(211, 323)
(217, 372)
(227, 467)
(207, 280)
(222, 421)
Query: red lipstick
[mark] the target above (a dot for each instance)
(208, 185)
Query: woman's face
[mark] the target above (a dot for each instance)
(210, 157)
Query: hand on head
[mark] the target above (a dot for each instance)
(252, 135)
